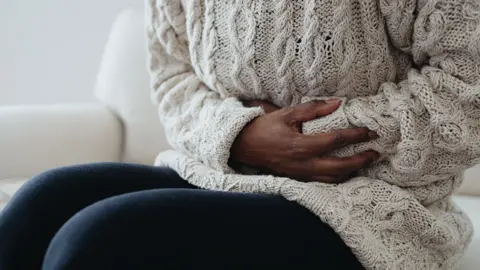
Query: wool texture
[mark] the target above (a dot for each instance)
(407, 69)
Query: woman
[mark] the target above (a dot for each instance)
(357, 122)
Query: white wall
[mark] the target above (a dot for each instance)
(50, 49)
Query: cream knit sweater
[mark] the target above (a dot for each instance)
(408, 69)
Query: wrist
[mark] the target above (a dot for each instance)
(236, 153)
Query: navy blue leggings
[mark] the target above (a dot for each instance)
(119, 216)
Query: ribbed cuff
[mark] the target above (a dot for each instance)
(228, 128)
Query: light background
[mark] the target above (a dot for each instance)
(50, 50)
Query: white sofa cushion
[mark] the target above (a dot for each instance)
(471, 185)
(123, 85)
(471, 260)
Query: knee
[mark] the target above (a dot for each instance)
(63, 179)
(79, 242)
(97, 237)
(48, 182)
(109, 234)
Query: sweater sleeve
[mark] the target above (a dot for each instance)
(197, 120)
(429, 123)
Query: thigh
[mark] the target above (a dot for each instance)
(197, 229)
(47, 201)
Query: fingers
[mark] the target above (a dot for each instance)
(327, 142)
(334, 166)
(329, 179)
(313, 110)
(330, 170)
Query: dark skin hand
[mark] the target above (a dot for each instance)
(274, 142)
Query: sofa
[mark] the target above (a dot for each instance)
(121, 126)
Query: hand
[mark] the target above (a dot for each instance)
(274, 142)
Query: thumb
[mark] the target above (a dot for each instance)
(314, 109)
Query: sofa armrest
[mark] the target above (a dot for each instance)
(37, 138)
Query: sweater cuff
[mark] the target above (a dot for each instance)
(234, 120)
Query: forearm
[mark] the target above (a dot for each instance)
(198, 121)
(202, 124)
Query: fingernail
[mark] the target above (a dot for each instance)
(373, 135)
(333, 101)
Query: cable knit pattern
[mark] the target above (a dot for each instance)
(408, 69)
(283, 48)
